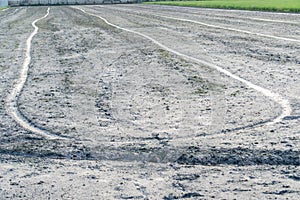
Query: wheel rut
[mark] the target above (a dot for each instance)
(12, 106)
(284, 103)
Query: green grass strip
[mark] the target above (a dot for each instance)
(261, 5)
(2, 8)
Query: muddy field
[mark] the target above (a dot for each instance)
(149, 102)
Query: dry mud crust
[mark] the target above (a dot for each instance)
(139, 90)
(144, 123)
(98, 81)
(69, 179)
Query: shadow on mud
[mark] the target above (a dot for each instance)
(197, 156)
(192, 155)
(238, 156)
(41, 148)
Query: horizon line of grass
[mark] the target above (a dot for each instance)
(255, 5)
(4, 7)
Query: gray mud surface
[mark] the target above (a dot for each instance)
(138, 122)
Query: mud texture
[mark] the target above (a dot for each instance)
(139, 122)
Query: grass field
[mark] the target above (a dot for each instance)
(263, 5)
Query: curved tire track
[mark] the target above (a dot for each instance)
(217, 27)
(230, 29)
(9, 14)
(284, 103)
(12, 100)
(198, 13)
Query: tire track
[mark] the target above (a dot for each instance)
(12, 99)
(9, 14)
(252, 18)
(230, 29)
(270, 20)
(284, 103)
(198, 13)
(216, 26)
(170, 8)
